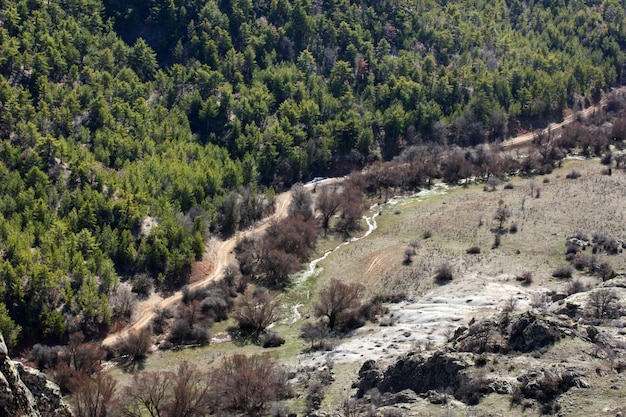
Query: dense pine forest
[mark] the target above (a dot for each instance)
(130, 131)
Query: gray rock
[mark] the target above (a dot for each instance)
(25, 392)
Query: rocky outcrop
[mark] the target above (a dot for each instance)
(440, 371)
(25, 392)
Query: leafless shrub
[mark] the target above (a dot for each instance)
(256, 310)
(183, 332)
(539, 300)
(603, 303)
(248, 384)
(135, 344)
(184, 392)
(573, 174)
(44, 356)
(526, 278)
(123, 303)
(563, 271)
(272, 340)
(161, 316)
(142, 285)
(314, 395)
(473, 250)
(444, 273)
(337, 299)
(313, 333)
(92, 396)
(509, 305)
(575, 286)
(605, 271)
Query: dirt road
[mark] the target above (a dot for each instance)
(219, 252)
(528, 137)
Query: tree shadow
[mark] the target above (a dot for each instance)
(241, 338)
(132, 365)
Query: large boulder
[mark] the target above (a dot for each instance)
(26, 392)
(441, 371)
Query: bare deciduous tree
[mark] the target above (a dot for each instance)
(92, 396)
(328, 203)
(256, 310)
(247, 384)
(135, 344)
(183, 393)
(301, 202)
(603, 303)
(336, 299)
(123, 303)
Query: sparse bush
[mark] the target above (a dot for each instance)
(336, 300)
(526, 278)
(135, 344)
(273, 340)
(473, 250)
(161, 316)
(605, 271)
(248, 384)
(496, 241)
(142, 285)
(123, 303)
(314, 395)
(444, 273)
(539, 300)
(256, 310)
(314, 333)
(44, 356)
(575, 286)
(563, 271)
(509, 305)
(427, 234)
(182, 332)
(573, 174)
(603, 303)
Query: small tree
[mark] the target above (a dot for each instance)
(444, 273)
(336, 299)
(313, 332)
(183, 393)
(135, 344)
(247, 384)
(92, 396)
(328, 203)
(603, 303)
(301, 202)
(256, 310)
(502, 214)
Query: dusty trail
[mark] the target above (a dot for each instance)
(219, 252)
(528, 137)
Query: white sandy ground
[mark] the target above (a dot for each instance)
(430, 319)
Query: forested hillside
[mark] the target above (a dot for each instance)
(131, 130)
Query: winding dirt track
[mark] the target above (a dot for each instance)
(219, 252)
